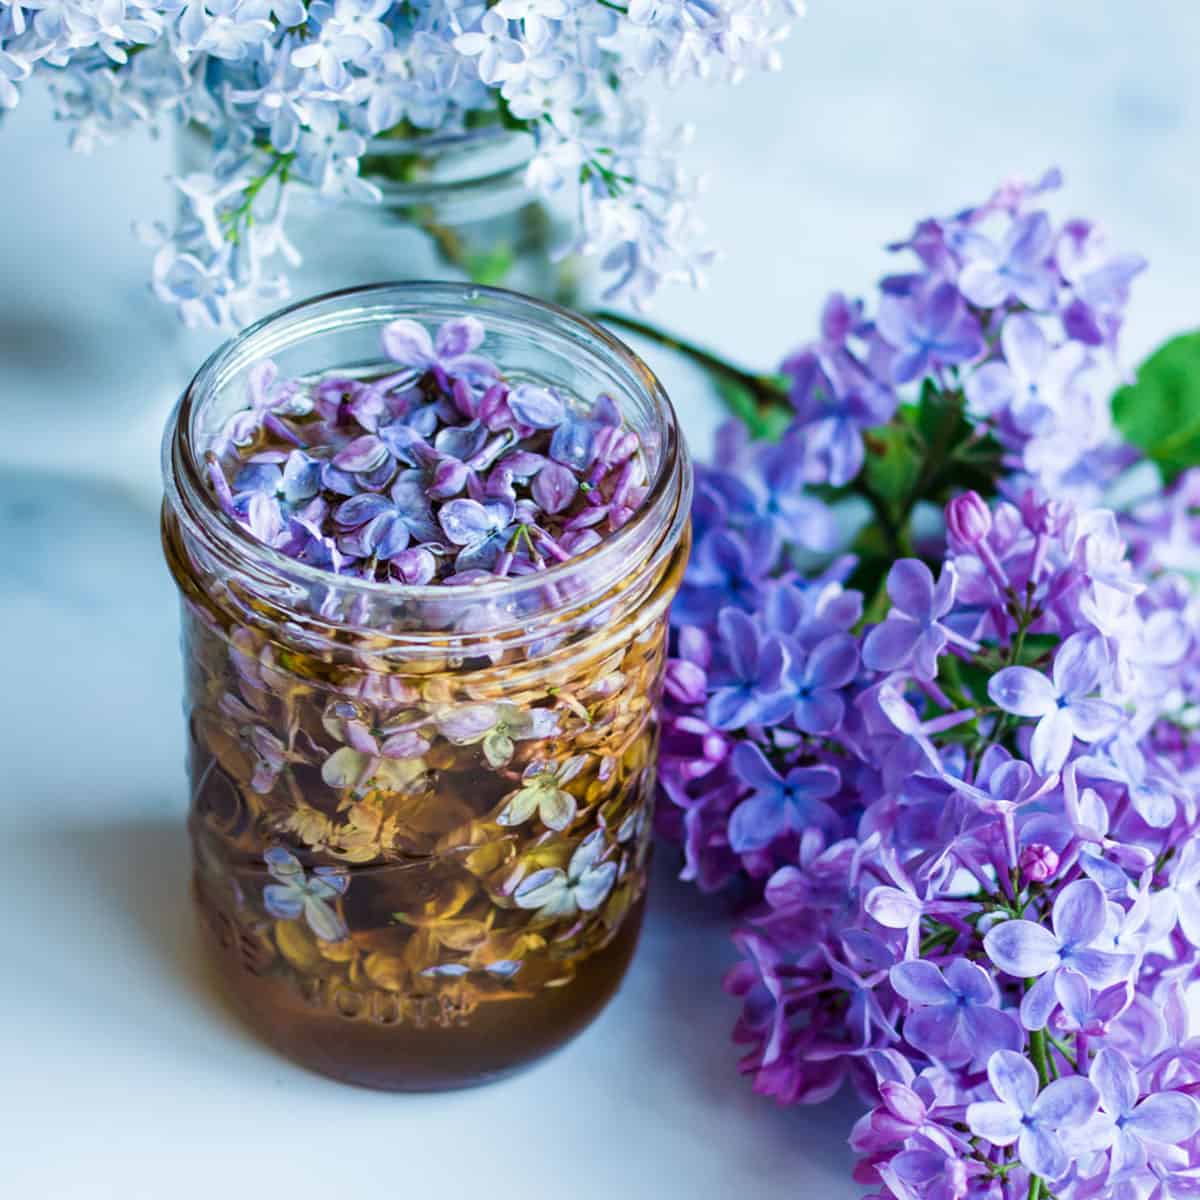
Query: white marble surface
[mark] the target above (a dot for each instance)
(122, 1073)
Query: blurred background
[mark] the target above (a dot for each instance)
(118, 1057)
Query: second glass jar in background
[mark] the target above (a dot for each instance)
(453, 206)
(357, 749)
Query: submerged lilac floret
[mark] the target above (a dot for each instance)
(441, 471)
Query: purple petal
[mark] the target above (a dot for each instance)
(1022, 948)
(1013, 1079)
(1115, 1081)
(998, 1123)
(358, 510)
(910, 586)
(536, 406)
(458, 337)
(894, 321)
(572, 444)
(892, 908)
(461, 441)
(555, 487)
(403, 441)
(943, 593)
(925, 654)
(1025, 345)
(937, 1031)
(1092, 720)
(465, 522)
(821, 712)
(731, 708)
(971, 981)
(1067, 1103)
(363, 454)
(1079, 913)
(921, 982)
(756, 823)
(467, 723)
(449, 478)
(1102, 968)
(1074, 995)
(903, 1102)
(1022, 691)
(386, 536)
(891, 644)
(408, 343)
(301, 477)
(990, 389)
(833, 663)
(1042, 1152)
(987, 1030)
(415, 566)
(740, 640)
(1038, 1003)
(813, 783)
(1052, 740)
(1169, 1117)
(983, 285)
(1079, 666)
(753, 768)
(264, 517)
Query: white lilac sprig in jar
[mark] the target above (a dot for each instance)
(426, 536)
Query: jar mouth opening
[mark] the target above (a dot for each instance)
(182, 458)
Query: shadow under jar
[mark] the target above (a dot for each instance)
(404, 922)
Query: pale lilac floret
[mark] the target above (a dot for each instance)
(931, 329)
(296, 893)
(1139, 1126)
(778, 802)
(1034, 1121)
(1027, 950)
(1064, 704)
(748, 674)
(817, 679)
(1018, 268)
(955, 1016)
(913, 631)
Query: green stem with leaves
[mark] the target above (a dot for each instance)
(769, 392)
(242, 217)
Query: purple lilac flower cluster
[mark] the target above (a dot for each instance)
(441, 471)
(949, 749)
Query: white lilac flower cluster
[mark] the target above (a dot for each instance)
(293, 91)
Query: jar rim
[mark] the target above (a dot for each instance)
(487, 179)
(482, 182)
(191, 499)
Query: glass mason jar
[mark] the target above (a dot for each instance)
(454, 206)
(383, 919)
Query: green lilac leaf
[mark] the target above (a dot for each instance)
(1160, 411)
(893, 462)
(767, 424)
(491, 267)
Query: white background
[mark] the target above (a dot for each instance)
(121, 1073)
